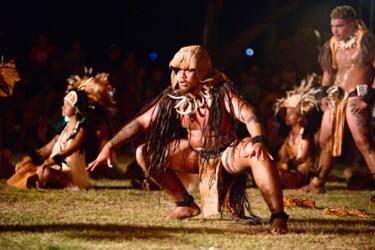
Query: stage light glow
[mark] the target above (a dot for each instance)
(153, 56)
(249, 52)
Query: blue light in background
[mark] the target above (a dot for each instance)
(249, 52)
(153, 56)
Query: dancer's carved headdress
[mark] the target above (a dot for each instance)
(197, 58)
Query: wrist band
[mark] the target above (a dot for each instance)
(258, 139)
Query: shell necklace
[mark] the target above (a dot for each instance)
(189, 105)
(349, 42)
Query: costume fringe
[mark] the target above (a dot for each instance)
(234, 200)
(367, 49)
(325, 57)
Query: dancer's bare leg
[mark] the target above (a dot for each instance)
(360, 125)
(183, 159)
(266, 177)
(326, 162)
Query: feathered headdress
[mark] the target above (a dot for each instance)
(8, 77)
(97, 87)
(302, 97)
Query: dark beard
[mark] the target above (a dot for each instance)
(189, 90)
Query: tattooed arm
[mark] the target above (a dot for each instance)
(126, 135)
(245, 113)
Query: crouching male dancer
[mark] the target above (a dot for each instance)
(191, 127)
(348, 62)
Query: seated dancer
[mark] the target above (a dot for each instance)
(192, 127)
(296, 156)
(100, 93)
(62, 162)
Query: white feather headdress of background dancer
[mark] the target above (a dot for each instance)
(302, 98)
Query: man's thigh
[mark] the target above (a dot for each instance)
(326, 127)
(360, 124)
(183, 158)
(232, 160)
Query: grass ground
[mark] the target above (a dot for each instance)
(113, 215)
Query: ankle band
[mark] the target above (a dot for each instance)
(280, 215)
(185, 203)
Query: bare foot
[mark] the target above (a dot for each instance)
(279, 226)
(311, 188)
(183, 212)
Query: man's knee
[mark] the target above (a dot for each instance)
(139, 156)
(364, 145)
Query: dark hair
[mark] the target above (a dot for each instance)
(83, 103)
(344, 12)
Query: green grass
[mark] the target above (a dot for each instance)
(112, 215)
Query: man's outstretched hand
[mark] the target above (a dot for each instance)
(104, 156)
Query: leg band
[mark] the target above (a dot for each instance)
(185, 203)
(280, 215)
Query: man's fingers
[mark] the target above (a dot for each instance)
(109, 163)
(91, 166)
(270, 156)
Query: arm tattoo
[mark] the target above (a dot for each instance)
(127, 134)
(252, 118)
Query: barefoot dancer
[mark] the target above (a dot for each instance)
(191, 127)
(348, 62)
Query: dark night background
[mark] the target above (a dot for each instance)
(163, 26)
(117, 36)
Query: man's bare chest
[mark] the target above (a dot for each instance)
(347, 57)
(195, 121)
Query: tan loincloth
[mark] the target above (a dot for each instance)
(337, 120)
